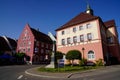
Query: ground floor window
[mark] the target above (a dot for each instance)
(91, 55)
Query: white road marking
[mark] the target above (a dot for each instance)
(20, 77)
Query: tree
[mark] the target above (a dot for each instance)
(72, 55)
(58, 56)
(20, 57)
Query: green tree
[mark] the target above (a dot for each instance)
(59, 55)
(20, 57)
(73, 54)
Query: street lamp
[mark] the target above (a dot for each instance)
(83, 51)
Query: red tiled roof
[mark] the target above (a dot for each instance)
(109, 23)
(41, 36)
(82, 17)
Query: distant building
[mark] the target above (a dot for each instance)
(7, 45)
(94, 38)
(35, 44)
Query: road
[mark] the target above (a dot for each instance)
(18, 73)
(15, 72)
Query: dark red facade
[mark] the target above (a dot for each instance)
(35, 44)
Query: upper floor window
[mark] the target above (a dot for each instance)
(74, 29)
(42, 44)
(63, 32)
(36, 50)
(47, 45)
(81, 38)
(37, 43)
(68, 41)
(89, 36)
(110, 39)
(75, 39)
(81, 28)
(63, 41)
(88, 26)
(29, 42)
(28, 49)
(42, 50)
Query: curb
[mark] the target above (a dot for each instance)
(65, 77)
(38, 75)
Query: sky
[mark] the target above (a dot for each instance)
(48, 15)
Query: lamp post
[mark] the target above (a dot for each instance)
(83, 51)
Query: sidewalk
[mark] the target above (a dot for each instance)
(34, 72)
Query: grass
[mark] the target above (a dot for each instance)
(67, 69)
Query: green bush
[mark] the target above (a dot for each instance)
(99, 62)
(83, 62)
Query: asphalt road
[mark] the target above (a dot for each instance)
(15, 72)
(18, 73)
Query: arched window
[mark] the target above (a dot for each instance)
(91, 55)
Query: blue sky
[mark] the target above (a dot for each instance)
(48, 15)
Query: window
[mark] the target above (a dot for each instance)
(28, 49)
(42, 50)
(29, 42)
(91, 55)
(74, 29)
(37, 43)
(74, 39)
(89, 36)
(36, 50)
(63, 32)
(68, 41)
(88, 26)
(42, 44)
(47, 45)
(81, 38)
(63, 41)
(110, 39)
(81, 28)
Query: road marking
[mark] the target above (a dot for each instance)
(20, 77)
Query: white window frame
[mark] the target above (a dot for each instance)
(88, 26)
(68, 40)
(89, 36)
(82, 38)
(63, 32)
(81, 28)
(63, 41)
(74, 29)
(91, 55)
(75, 39)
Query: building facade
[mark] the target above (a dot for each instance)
(35, 45)
(91, 36)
